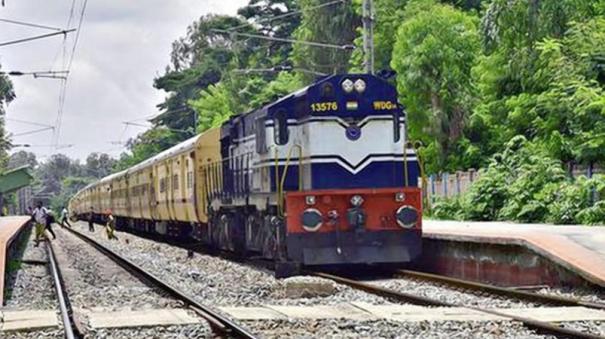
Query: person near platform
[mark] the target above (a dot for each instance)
(65, 217)
(39, 215)
(111, 226)
(91, 217)
(50, 218)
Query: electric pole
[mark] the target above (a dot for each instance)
(368, 35)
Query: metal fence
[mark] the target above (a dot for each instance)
(448, 185)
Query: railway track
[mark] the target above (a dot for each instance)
(64, 307)
(497, 290)
(540, 326)
(220, 324)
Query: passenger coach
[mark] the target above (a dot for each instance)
(319, 177)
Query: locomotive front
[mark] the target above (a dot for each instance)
(348, 183)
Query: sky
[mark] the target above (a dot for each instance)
(122, 46)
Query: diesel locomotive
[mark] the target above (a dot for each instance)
(322, 176)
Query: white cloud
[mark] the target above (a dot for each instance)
(123, 45)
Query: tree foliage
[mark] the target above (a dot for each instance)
(515, 87)
(434, 53)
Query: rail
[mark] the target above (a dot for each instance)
(217, 321)
(407, 297)
(58, 282)
(522, 295)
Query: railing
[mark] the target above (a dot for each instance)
(280, 181)
(416, 145)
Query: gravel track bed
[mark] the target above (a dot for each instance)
(584, 294)
(447, 294)
(593, 327)
(390, 329)
(94, 282)
(30, 286)
(41, 334)
(215, 281)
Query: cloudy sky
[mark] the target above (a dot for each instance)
(122, 46)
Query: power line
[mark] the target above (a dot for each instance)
(28, 122)
(71, 59)
(64, 32)
(34, 131)
(277, 69)
(292, 41)
(22, 23)
(312, 8)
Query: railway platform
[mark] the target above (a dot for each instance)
(10, 228)
(516, 254)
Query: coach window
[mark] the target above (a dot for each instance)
(189, 179)
(162, 185)
(175, 182)
(280, 129)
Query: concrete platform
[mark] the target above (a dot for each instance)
(9, 229)
(408, 313)
(28, 320)
(578, 249)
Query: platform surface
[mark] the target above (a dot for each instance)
(9, 228)
(580, 249)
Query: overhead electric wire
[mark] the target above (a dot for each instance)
(33, 132)
(65, 81)
(22, 23)
(292, 41)
(286, 15)
(28, 122)
(18, 41)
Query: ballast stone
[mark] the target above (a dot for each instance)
(306, 287)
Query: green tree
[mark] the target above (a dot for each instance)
(334, 24)
(435, 50)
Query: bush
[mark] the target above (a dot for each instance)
(524, 184)
(447, 209)
(594, 215)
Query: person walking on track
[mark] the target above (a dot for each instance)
(111, 226)
(39, 215)
(50, 218)
(65, 217)
(91, 216)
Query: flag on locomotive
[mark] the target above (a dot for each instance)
(322, 176)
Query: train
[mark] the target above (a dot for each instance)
(322, 176)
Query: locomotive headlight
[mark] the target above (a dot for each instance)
(356, 200)
(310, 200)
(311, 219)
(360, 85)
(348, 86)
(399, 196)
(407, 216)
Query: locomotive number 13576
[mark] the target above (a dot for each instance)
(324, 106)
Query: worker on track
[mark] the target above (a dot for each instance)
(50, 218)
(64, 217)
(110, 227)
(91, 216)
(39, 217)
